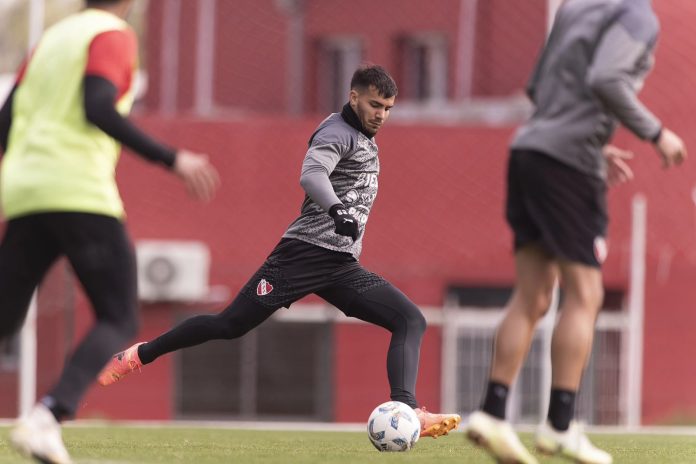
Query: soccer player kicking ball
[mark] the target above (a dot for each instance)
(319, 254)
(60, 130)
(594, 62)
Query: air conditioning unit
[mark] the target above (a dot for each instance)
(172, 270)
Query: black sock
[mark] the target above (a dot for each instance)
(496, 399)
(561, 408)
(58, 411)
(143, 355)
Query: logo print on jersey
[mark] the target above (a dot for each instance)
(264, 288)
(352, 196)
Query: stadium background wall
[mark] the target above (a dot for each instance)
(438, 220)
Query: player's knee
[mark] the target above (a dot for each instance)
(541, 304)
(132, 328)
(411, 324)
(8, 330)
(122, 329)
(128, 325)
(535, 306)
(417, 323)
(587, 297)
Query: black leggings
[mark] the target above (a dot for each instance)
(382, 305)
(102, 257)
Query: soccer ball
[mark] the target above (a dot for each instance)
(393, 426)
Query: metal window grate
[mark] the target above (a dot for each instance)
(599, 401)
(281, 370)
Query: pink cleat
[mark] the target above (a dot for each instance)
(121, 364)
(435, 425)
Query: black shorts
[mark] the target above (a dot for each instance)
(560, 208)
(98, 249)
(295, 269)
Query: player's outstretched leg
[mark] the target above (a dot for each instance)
(435, 425)
(241, 316)
(120, 365)
(571, 444)
(37, 435)
(498, 438)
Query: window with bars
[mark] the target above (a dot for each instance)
(338, 58)
(423, 67)
(472, 317)
(598, 401)
(280, 370)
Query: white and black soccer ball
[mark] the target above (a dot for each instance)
(393, 426)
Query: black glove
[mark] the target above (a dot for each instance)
(346, 224)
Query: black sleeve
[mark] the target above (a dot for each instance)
(6, 120)
(100, 97)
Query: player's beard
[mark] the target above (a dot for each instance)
(362, 116)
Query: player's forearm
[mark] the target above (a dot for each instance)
(617, 96)
(315, 182)
(6, 120)
(99, 98)
(621, 62)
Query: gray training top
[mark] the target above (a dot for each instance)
(593, 65)
(341, 166)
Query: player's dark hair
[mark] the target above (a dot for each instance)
(372, 74)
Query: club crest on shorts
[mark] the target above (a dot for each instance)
(600, 249)
(264, 287)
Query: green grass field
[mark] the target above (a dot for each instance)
(112, 445)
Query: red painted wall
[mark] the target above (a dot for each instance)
(259, 198)
(438, 220)
(252, 41)
(508, 40)
(669, 377)
(250, 56)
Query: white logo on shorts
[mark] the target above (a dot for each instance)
(601, 250)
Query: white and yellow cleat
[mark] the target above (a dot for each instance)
(38, 436)
(498, 438)
(436, 425)
(572, 444)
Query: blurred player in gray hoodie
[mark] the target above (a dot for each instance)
(584, 84)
